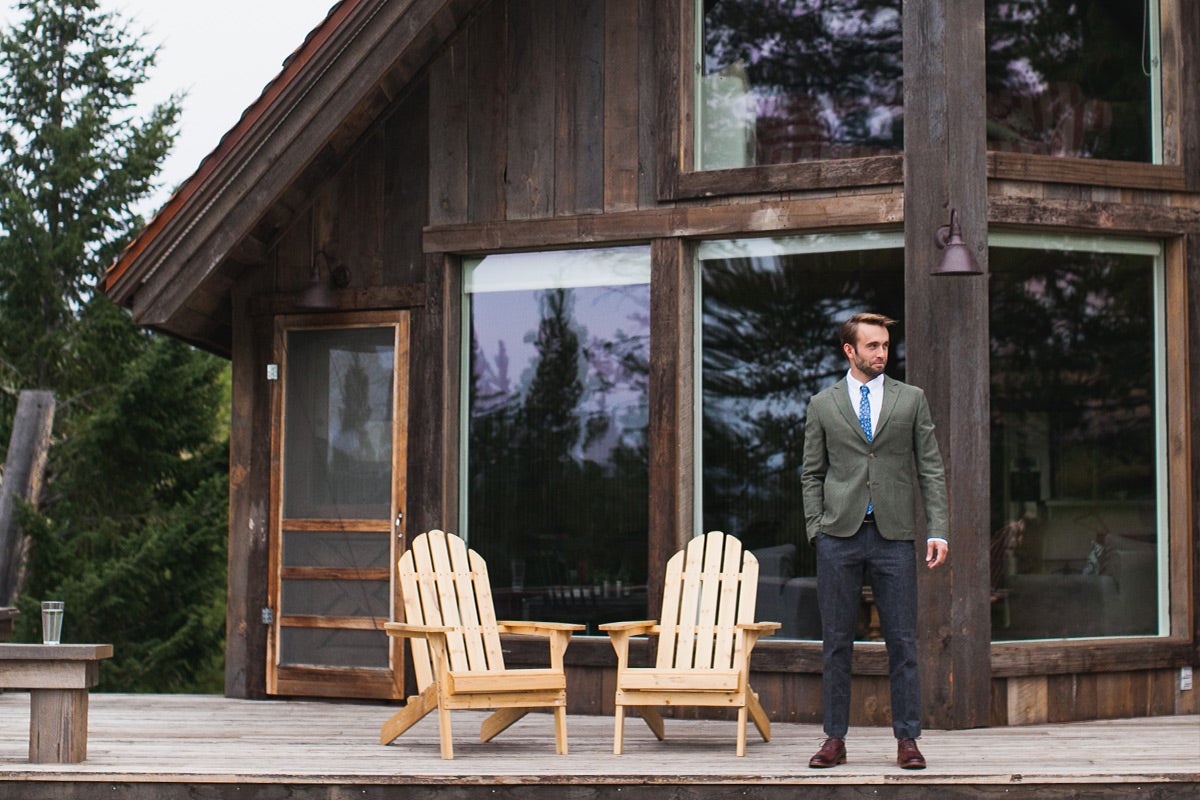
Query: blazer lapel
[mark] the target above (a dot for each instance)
(849, 412)
(891, 394)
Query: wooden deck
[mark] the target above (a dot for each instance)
(168, 746)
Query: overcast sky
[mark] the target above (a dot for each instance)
(220, 52)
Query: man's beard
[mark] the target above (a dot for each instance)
(866, 367)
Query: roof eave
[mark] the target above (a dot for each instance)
(326, 80)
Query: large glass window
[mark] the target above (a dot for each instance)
(555, 489)
(1066, 78)
(770, 311)
(1078, 456)
(781, 81)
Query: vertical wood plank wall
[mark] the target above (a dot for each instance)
(541, 110)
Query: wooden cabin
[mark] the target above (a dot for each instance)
(561, 275)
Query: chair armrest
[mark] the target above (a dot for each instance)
(559, 634)
(414, 631)
(635, 628)
(619, 634)
(753, 631)
(538, 628)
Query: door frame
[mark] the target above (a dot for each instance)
(329, 681)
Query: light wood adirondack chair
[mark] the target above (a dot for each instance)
(456, 646)
(705, 636)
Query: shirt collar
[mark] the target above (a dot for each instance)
(874, 385)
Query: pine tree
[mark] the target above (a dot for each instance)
(131, 528)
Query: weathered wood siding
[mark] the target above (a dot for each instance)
(543, 109)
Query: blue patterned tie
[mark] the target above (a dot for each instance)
(864, 419)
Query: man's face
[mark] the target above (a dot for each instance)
(870, 355)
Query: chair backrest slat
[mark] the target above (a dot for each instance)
(689, 604)
(489, 631)
(707, 604)
(414, 613)
(668, 620)
(732, 578)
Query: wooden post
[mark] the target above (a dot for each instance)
(23, 470)
(1188, 44)
(946, 340)
(671, 446)
(249, 493)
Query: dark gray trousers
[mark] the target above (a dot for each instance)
(890, 566)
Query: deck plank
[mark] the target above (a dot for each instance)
(204, 739)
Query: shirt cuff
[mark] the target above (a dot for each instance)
(941, 539)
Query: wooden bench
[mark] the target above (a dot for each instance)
(58, 677)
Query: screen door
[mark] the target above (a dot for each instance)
(339, 470)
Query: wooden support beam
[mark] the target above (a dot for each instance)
(1188, 31)
(946, 340)
(249, 490)
(671, 447)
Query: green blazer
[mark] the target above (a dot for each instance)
(843, 472)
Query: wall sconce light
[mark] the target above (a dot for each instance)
(318, 293)
(958, 259)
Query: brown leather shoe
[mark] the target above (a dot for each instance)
(832, 753)
(908, 756)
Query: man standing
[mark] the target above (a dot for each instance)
(866, 438)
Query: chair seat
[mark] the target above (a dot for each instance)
(508, 681)
(679, 680)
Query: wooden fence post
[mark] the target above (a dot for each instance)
(23, 471)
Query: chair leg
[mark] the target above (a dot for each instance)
(499, 721)
(654, 721)
(414, 709)
(560, 730)
(447, 743)
(618, 730)
(758, 714)
(741, 731)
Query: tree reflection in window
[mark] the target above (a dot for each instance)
(798, 80)
(1075, 468)
(557, 472)
(1066, 78)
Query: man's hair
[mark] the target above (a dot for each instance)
(849, 330)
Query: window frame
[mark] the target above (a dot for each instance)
(1165, 172)
(1019, 658)
(1155, 250)
(624, 264)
